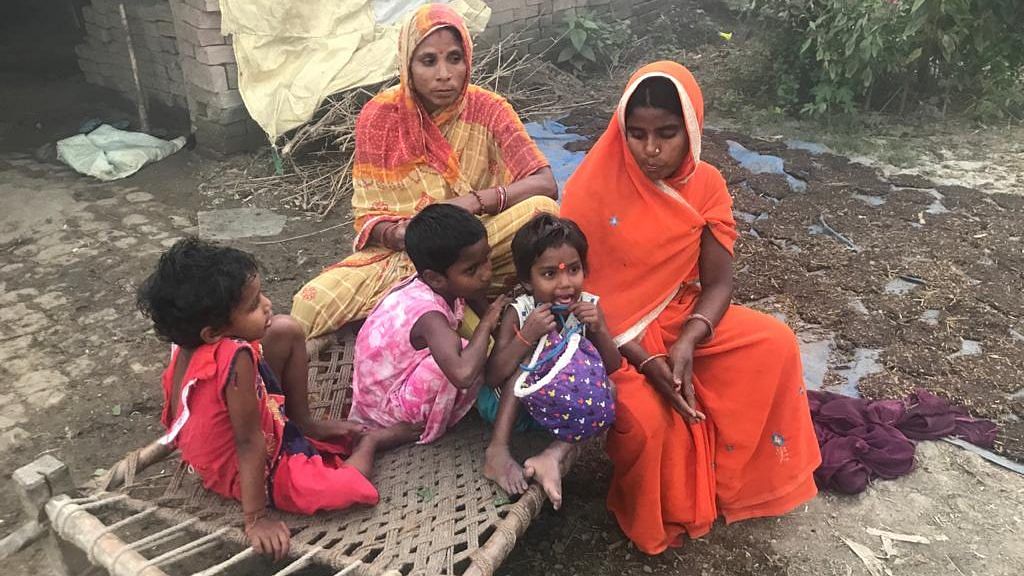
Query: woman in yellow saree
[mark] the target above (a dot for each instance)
(433, 138)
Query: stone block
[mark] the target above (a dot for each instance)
(526, 12)
(198, 36)
(175, 76)
(93, 77)
(186, 49)
(166, 29)
(206, 5)
(228, 139)
(39, 481)
(232, 71)
(210, 78)
(168, 45)
(89, 15)
(502, 16)
(622, 8)
(199, 18)
(559, 5)
(97, 32)
(152, 42)
(145, 27)
(488, 37)
(215, 54)
(214, 102)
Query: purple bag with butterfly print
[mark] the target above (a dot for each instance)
(565, 387)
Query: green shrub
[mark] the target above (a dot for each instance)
(871, 53)
(592, 43)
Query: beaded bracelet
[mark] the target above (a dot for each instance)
(640, 368)
(479, 201)
(251, 518)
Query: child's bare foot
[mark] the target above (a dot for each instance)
(393, 436)
(379, 439)
(326, 429)
(547, 469)
(502, 468)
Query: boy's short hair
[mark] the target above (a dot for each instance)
(438, 234)
(540, 233)
(196, 284)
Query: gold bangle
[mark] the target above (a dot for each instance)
(707, 322)
(640, 368)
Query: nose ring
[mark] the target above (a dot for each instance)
(657, 150)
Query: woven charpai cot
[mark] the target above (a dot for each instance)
(437, 514)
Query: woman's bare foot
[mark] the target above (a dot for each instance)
(547, 469)
(502, 468)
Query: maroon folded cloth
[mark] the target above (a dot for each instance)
(929, 417)
(860, 439)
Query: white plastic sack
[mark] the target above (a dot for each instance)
(111, 154)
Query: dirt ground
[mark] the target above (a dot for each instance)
(931, 286)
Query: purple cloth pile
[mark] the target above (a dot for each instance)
(862, 439)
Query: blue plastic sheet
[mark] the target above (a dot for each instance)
(763, 164)
(551, 137)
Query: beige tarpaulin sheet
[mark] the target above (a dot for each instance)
(293, 53)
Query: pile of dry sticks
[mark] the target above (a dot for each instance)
(317, 157)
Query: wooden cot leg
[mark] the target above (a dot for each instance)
(36, 483)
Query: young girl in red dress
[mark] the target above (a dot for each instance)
(233, 366)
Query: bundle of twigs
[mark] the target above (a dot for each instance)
(318, 156)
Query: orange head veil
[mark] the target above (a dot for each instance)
(644, 235)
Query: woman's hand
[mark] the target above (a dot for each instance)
(268, 537)
(680, 357)
(540, 322)
(479, 202)
(659, 374)
(394, 236)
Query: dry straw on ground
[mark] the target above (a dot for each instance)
(317, 157)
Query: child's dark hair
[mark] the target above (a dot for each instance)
(438, 234)
(542, 232)
(196, 284)
(655, 92)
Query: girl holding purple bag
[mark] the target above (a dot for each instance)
(553, 353)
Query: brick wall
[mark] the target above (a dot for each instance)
(103, 57)
(540, 22)
(215, 105)
(185, 61)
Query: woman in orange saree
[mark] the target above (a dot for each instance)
(433, 138)
(712, 415)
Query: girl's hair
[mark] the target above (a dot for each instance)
(437, 235)
(196, 284)
(542, 232)
(655, 92)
